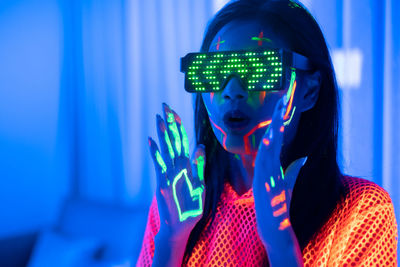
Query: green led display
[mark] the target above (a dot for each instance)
(258, 70)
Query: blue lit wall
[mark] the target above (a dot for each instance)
(33, 167)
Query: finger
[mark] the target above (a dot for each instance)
(277, 124)
(199, 164)
(293, 171)
(159, 164)
(173, 131)
(183, 134)
(167, 152)
(271, 143)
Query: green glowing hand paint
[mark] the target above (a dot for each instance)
(272, 182)
(174, 130)
(195, 194)
(161, 162)
(185, 142)
(169, 145)
(200, 167)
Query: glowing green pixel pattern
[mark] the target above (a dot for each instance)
(258, 70)
(195, 194)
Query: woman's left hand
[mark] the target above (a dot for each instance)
(272, 188)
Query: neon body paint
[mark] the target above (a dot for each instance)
(195, 194)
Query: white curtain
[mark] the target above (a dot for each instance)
(160, 32)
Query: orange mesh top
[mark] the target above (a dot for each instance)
(361, 231)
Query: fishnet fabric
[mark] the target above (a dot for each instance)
(361, 231)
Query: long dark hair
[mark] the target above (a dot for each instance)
(318, 187)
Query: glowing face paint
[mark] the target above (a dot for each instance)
(200, 167)
(253, 140)
(262, 97)
(246, 137)
(290, 94)
(222, 132)
(161, 162)
(195, 194)
(174, 130)
(185, 142)
(282, 174)
(286, 123)
(261, 38)
(219, 43)
(266, 141)
(293, 4)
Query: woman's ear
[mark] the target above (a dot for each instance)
(312, 84)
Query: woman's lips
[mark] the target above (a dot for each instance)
(236, 120)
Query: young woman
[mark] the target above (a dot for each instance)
(263, 186)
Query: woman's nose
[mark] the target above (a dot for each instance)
(234, 90)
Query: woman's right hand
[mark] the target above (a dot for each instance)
(180, 188)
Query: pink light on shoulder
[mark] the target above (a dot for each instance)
(211, 97)
(246, 137)
(222, 131)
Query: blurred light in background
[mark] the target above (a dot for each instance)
(348, 67)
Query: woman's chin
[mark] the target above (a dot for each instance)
(238, 147)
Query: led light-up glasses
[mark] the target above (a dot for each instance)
(258, 70)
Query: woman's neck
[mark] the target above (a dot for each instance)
(242, 167)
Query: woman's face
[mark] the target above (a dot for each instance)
(240, 118)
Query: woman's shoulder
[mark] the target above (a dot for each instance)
(359, 191)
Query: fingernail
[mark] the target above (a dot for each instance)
(285, 100)
(160, 123)
(166, 108)
(283, 112)
(304, 160)
(170, 115)
(177, 118)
